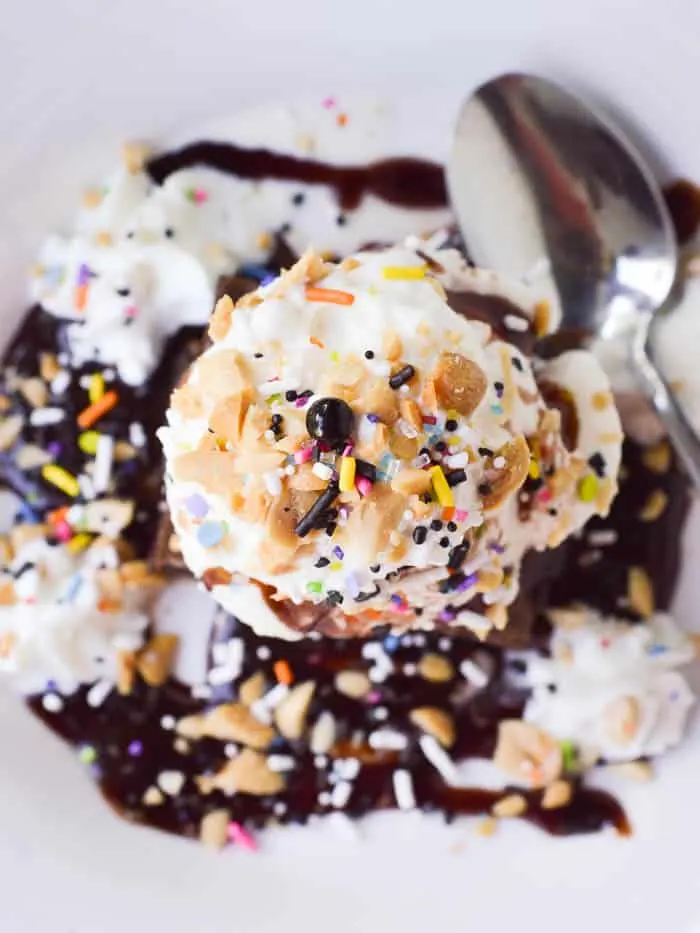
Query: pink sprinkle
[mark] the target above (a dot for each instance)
(605, 642)
(429, 419)
(363, 485)
(131, 311)
(544, 495)
(328, 102)
(348, 450)
(199, 196)
(461, 515)
(303, 455)
(63, 530)
(241, 836)
(374, 696)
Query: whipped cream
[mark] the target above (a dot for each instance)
(612, 688)
(61, 622)
(392, 313)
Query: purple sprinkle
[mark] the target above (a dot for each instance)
(84, 274)
(468, 582)
(135, 748)
(396, 599)
(300, 402)
(497, 548)
(339, 552)
(54, 448)
(197, 505)
(373, 419)
(267, 280)
(374, 696)
(447, 615)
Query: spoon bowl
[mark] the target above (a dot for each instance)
(549, 191)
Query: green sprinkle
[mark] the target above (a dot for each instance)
(87, 755)
(277, 397)
(588, 488)
(87, 441)
(314, 586)
(568, 756)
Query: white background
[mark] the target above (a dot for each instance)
(77, 78)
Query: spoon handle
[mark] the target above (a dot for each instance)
(683, 436)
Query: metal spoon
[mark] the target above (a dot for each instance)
(539, 181)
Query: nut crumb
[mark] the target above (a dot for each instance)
(556, 795)
(213, 830)
(511, 806)
(640, 592)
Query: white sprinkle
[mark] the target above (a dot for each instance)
(322, 470)
(404, 389)
(137, 435)
(87, 487)
(406, 429)
(473, 673)
(98, 693)
(84, 382)
(167, 722)
(372, 649)
(103, 463)
(274, 697)
(403, 789)
(231, 750)
(280, 763)
(347, 768)
(499, 462)
(409, 669)
(444, 644)
(280, 808)
(438, 758)
(263, 652)
(380, 713)
(419, 640)
(63, 359)
(52, 703)
(109, 374)
(261, 711)
(273, 483)
(602, 537)
(387, 739)
(269, 437)
(341, 794)
(320, 761)
(171, 782)
(457, 460)
(324, 798)
(60, 382)
(42, 416)
(513, 322)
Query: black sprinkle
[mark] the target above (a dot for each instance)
(298, 199)
(308, 521)
(331, 528)
(341, 220)
(322, 562)
(369, 354)
(290, 395)
(285, 228)
(420, 533)
(484, 489)
(169, 232)
(258, 356)
(441, 446)
(404, 375)
(375, 568)
(451, 425)
(485, 452)
(456, 477)
(444, 542)
(597, 464)
(451, 526)
(334, 598)
(517, 363)
(458, 556)
(368, 470)
(123, 292)
(436, 524)
(276, 424)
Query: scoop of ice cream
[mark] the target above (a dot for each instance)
(351, 443)
(612, 688)
(68, 616)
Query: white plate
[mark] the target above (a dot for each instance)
(78, 79)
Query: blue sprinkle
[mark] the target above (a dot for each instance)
(497, 409)
(391, 644)
(197, 505)
(655, 650)
(252, 271)
(209, 534)
(268, 279)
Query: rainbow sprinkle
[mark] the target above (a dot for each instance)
(404, 272)
(348, 467)
(331, 296)
(61, 479)
(441, 488)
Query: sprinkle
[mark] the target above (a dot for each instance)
(438, 758)
(308, 521)
(363, 485)
(533, 470)
(314, 586)
(103, 463)
(457, 461)
(456, 477)
(461, 515)
(303, 455)
(338, 551)
(98, 693)
(568, 756)
(347, 474)
(497, 409)
(137, 435)
(209, 534)
(421, 461)
(52, 703)
(441, 487)
(197, 505)
(61, 479)
(588, 488)
(43, 416)
(429, 419)
(196, 195)
(283, 672)
(96, 388)
(322, 470)
(406, 429)
(135, 748)
(513, 322)
(80, 297)
(88, 755)
(317, 343)
(403, 789)
(78, 543)
(404, 272)
(329, 295)
(404, 375)
(420, 533)
(87, 442)
(340, 795)
(328, 103)
(342, 119)
(500, 462)
(88, 416)
(281, 763)
(471, 672)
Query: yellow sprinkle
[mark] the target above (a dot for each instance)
(97, 387)
(335, 356)
(347, 474)
(61, 479)
(534, 470)
(442, 490)
(404, 272)
(87, 441)
(336, 565)
(78, 543)
(588, 488)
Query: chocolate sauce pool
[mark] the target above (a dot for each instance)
(128, 741)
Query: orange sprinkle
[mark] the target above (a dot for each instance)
(448, 514)
(283, 672)
(317, 343)
(57, 516)
(81, 295)
(342, 119)
(90, 415)
(332, 296)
